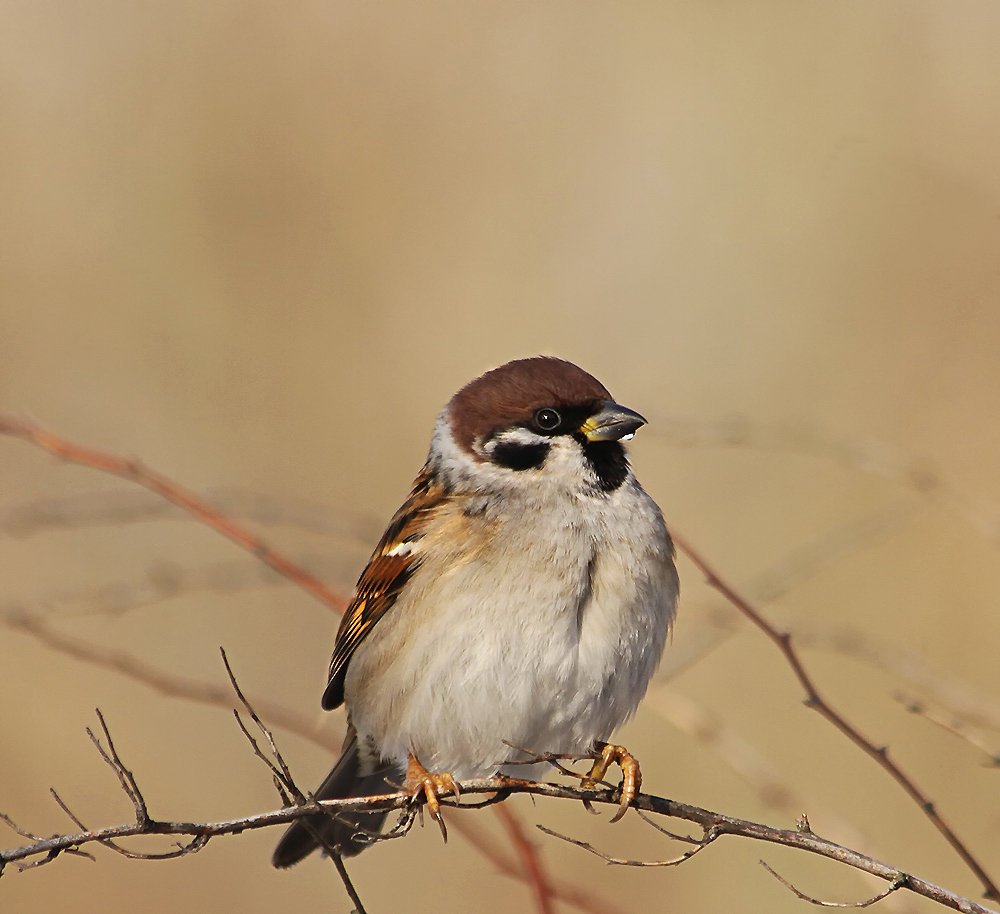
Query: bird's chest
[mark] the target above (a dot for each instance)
(506, 633)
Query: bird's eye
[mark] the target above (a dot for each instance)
(547, 419)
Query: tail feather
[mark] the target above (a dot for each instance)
(342, 782)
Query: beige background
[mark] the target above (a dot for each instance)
(259, 245)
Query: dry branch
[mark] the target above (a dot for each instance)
(951, 724)
(715, 825)
(895, 886)
(131, 469)
(871, 457)
(783, 641)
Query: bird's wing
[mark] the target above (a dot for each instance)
(395, 559)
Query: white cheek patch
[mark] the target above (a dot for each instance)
(518, 437)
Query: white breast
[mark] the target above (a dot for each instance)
(536, 618)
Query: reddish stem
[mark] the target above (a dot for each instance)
(529, 858)
(134, 471)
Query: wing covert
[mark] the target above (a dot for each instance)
(392, 564)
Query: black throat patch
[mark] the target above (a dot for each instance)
(608, 460)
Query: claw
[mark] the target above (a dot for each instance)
(631, 775)
(420, 779)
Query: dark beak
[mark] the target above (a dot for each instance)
(612, 423)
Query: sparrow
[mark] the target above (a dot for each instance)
(520, 599)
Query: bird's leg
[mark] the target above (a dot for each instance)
(419, 779)
(631, 776)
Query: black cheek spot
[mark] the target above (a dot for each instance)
(608, 461)
(520, 456)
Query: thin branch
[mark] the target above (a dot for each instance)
(746, 760)
(569, 893)
(723, 741)
(125, 777)
(896, 885)
(619, 861)
(684, 839)
(960, 697)
(713, 823)
(953, 725)
(352, 893)
(871, 457)
(95, 509)
(287, 788)
(530, 859)
(301, 725)
(802, 563)
(783, 641)
(162, 681)
(48, 858)
(278, 768)
(134, 471)
(833, 545)
(111, 845)
(69, 813)
(167, 581)
(129, 506)
(14, 827)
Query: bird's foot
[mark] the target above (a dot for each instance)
(420, 779)
(631, 776)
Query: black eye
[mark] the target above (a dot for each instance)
(547, 419)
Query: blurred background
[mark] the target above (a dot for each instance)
(259, 246)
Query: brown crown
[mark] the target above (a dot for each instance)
(511, 393)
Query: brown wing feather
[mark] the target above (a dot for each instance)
(382, 580)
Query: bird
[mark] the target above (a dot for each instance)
(518, 602)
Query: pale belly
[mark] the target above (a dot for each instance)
(486, 652)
